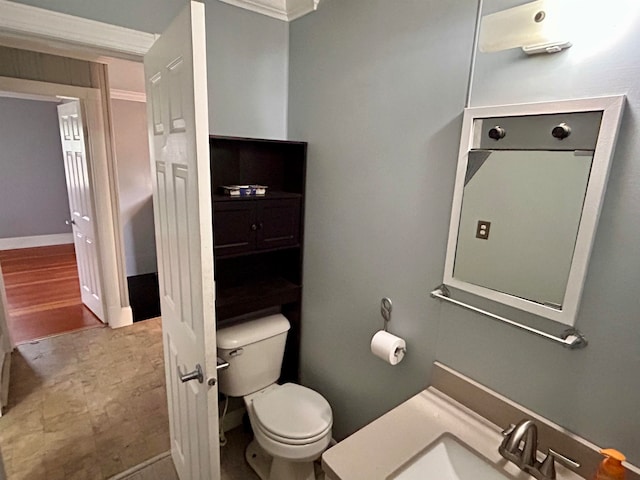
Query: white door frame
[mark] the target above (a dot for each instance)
(115, 293)
(37, 29)
(52, 32)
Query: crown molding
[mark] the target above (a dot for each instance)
(286, 10)
(24, 20)
(128, 95)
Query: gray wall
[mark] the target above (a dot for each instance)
(379, 101)
(247, 58)
(33, 191)
(134, 185)
(377, 91)
(247, 68)
(594, 392)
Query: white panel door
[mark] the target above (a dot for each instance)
(81, 206)
(175, 71)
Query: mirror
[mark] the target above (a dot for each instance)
(529, 188)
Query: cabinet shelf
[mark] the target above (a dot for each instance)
(255, 253)
(255, 295)
(219, 197)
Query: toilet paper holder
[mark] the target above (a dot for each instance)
(386, 305)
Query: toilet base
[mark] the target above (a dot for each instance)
(259, 460)
(270, 468)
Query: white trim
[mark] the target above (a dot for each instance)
(6, 346)
(113, 282)
(5, 369)
(35, 241)
(286, 10)
(127, 95)
(26, 96)
(25, 20)
(612, 108)
(136, 468)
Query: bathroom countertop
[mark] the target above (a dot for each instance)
(380, 448)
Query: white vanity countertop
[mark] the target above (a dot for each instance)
(381, 447)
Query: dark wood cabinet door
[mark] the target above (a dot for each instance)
(278, 223)
(234, 227)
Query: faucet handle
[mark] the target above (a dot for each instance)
(509, 430)
(547, 468)
(562, 459)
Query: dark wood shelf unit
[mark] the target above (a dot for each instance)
(255, 296)
(258, 239)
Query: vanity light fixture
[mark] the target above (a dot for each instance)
(536, 27)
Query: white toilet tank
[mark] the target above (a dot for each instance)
(254, 350)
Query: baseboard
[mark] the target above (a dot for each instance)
(144, 296)
(136, 468)
(120, 317)
(35, 241)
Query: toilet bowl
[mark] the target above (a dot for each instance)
(291, 423)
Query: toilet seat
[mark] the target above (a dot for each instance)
(292, 414)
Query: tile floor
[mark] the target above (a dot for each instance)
(86, 405)
(91, 404)
(232, 463)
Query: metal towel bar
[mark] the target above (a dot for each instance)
(571, 338)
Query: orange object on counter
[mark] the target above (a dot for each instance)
(611, 467)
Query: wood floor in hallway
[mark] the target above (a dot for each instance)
(43, 292)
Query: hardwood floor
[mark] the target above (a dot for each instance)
(43, 293)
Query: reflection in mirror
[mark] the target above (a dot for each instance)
(532, 203)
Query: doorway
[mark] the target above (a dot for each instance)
(100, 156)
(36, 246)
(179, 87)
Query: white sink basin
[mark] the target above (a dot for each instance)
(447, 458)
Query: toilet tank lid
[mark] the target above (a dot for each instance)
(252, 331)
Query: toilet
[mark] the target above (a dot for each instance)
(291, 423)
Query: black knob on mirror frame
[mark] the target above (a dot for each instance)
(497, 133)
(561, 131)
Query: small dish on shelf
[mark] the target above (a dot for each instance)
(244, 190)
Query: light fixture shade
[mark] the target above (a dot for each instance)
(528, 25)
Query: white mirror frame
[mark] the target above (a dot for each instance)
(611, 108)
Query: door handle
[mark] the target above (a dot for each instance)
(70, 222)
(195, 375)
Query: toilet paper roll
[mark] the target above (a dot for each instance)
(388, 347)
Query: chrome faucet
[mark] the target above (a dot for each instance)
(510, 447)
(525, 458)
